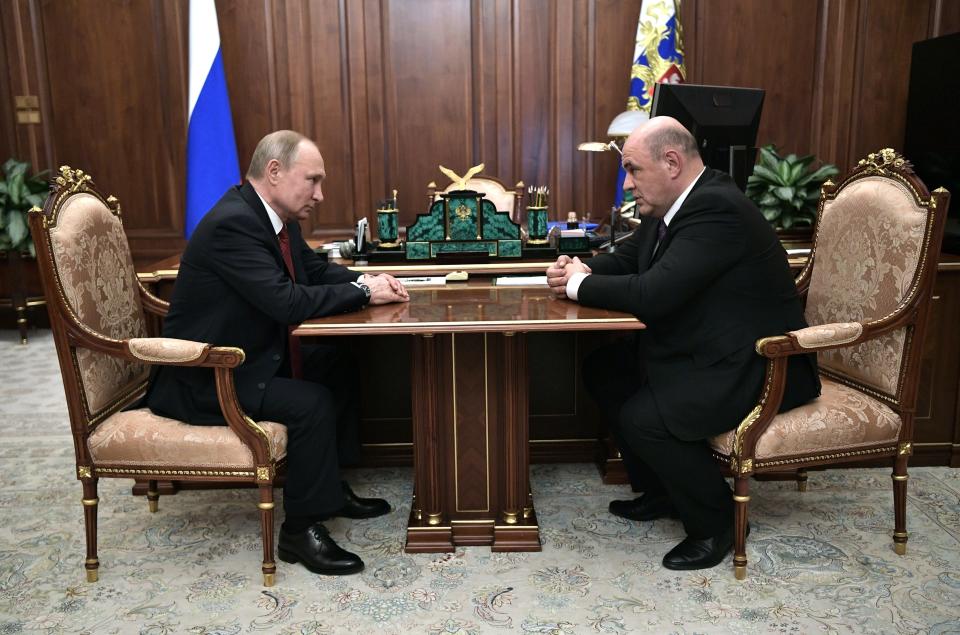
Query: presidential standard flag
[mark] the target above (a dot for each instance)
(212, 165)
(657, 58)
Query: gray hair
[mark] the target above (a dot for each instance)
(676, 137)
(281, 145)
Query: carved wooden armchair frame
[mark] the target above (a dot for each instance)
(896, 401)
(81, 346)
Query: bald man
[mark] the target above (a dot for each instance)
(707, 275)
(245, 278)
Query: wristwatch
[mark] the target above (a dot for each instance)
(364, 288)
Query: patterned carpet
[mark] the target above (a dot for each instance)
(820, 562)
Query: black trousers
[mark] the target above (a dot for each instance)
(656, 461)
(321, 413)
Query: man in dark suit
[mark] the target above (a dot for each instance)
(246, 277)
(708, 276)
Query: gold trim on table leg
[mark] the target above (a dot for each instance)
(269, 579)
(740, 571)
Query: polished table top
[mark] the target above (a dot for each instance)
(477, 306)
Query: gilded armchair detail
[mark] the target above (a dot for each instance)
(97, 316)
(867, 288)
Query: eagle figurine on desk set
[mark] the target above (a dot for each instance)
(463, 225)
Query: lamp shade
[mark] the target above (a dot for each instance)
(626, 122)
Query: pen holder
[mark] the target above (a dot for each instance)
(387, 228)
(536, 225)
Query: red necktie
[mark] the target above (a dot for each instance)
(296, 364)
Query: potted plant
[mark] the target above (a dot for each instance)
(785, 189)
(19, 284)
(18, 193)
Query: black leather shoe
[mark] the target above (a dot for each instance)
(356, 507)
(645, 507)
(700, 553)
(317, 551)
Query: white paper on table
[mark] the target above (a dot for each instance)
(521, 281)
(422, 282)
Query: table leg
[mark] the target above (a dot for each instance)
(471, 451)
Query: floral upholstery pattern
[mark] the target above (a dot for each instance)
(142, 438)
(92, 259)
(868, 247)
(842, 418)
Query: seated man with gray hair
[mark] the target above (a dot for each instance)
(246, 278)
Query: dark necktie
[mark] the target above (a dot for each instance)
(661, 234)
(293, 342)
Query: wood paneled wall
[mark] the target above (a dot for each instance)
(391, 88)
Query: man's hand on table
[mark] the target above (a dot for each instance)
(558, 274)
(385, 289)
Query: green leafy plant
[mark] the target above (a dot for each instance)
(18, 193)
(785, 189)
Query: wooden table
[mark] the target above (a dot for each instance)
(469, 394)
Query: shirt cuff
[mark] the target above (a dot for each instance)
(573, 284)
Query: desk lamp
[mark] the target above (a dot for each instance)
(599, 146)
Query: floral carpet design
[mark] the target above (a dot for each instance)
(820, 561)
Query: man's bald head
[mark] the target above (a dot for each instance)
(662, 133)
(661, 159)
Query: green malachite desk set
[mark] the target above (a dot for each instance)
(463, 224)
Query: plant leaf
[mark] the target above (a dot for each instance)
(17, 168)
(768, 157)
(783, 172)
(824, 172)
(783, 193)
(15, 189)
(787, 221)
(767, 174)
(770, 213)
(796, 171)
(16, 229)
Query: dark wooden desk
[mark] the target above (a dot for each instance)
(469, 388)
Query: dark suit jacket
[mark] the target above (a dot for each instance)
(233, 290)
(718, 282)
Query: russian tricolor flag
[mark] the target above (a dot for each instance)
(212, 165)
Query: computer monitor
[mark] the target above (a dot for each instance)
(723, 119)
(932, 136)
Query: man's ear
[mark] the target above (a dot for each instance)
(673, 161)
(272, 171)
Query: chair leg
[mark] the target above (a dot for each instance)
(90, 500)
(801, 480)
(741, 496)
(153, 497)
(266, 523)
(900, 504)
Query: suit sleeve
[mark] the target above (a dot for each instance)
(239, 255)
(706, 242)
(620, 262)
(319, 271)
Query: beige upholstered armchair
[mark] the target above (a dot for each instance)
(496, 192)
(96, 309)
(867, 288)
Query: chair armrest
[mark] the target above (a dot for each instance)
(828, 335)
(812, 338)
(173, 352)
